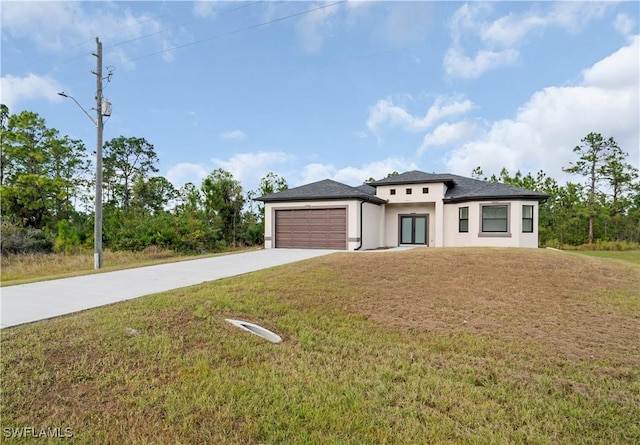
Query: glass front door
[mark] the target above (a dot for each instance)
(413, 229)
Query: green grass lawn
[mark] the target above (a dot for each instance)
(426, 346)
(632, 256)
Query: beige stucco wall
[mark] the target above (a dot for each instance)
(417, 202)
(372, 224)
(453, 238)
(391, 221)
(436, 193)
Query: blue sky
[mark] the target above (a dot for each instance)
(341, 90)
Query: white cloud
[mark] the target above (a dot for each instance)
(15, 89)
(446, 133)
(496, 42)
(624, 24)
(467, 18)
(314, 27)
(544, 130)
(574, 16)
(315, 172)
(204, 8)
(249, 168)
(458, 64)
(58, 26)
(235, 135)
(353, 176)
(42, 22)
(511, 29)
(386, 114)
(184, 172)
(617, 71)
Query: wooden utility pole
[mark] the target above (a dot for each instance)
(97, 227)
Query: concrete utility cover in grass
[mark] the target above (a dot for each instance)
(257, 330)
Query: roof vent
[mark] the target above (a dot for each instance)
(257, 330)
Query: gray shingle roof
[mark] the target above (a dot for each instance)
(325, 189)
(468, 189)
(459, 189)
(415, 177)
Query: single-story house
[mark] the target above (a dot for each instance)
(412, 208)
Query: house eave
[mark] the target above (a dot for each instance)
(524, 197)
(371, 199)
(449, 182)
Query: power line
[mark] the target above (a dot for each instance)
(84, 42)
(120, 30)
(269, 22)
(183, 24)
(195, 42)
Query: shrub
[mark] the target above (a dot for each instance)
(16, 240)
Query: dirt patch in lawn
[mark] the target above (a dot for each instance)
(558, 301)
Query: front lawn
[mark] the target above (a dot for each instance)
(422, 346)
(632, 256)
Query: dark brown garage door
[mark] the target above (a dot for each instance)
(311, 228)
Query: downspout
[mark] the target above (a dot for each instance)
(361, 206)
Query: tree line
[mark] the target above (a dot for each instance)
(603, 206)
(47, 186)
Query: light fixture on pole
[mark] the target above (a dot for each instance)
(104, 109)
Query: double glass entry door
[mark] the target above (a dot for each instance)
(413, 229)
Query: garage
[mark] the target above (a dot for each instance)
(311, 228)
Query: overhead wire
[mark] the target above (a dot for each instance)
(192, 43)
(84, 42)
(226, 11)
(248, 28)
(120, 30)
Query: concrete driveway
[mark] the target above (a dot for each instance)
(38, 301)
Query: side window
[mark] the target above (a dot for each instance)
(463, 219)
(527, 219)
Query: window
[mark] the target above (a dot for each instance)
(409, 191)
(425, 190)
(463, 219)
(392, 191)
(527, 219)
(495, 218)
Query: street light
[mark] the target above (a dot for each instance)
(103, 109)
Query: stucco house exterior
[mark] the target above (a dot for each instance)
(413, 208)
